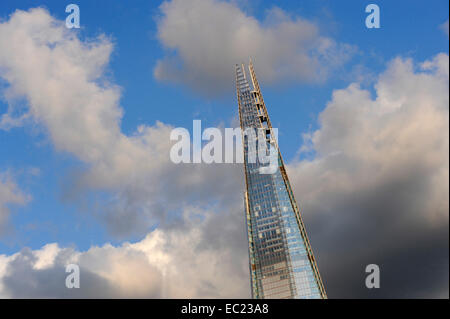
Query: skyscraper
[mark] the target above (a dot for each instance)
(282, 263)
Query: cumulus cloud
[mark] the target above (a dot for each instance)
(62, 80)
(165, 264)
(377, 189)
(376, 192)
(205, 38)
(10, 194)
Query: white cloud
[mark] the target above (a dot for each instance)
(62, 80)
(10, 194)
(363, 142)
(206, 38)
(171, 264)
(45, 257)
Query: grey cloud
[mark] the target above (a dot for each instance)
(205, 38)
(127, 181)
(173, 263)
(377, 190)
(23, 281)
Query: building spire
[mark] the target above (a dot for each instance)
(282, 264)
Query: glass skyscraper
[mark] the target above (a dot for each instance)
(282, 264)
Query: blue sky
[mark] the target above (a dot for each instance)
(409, 29)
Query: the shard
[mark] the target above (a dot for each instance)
(282, 263)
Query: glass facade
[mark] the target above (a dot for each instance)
(282, 264)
